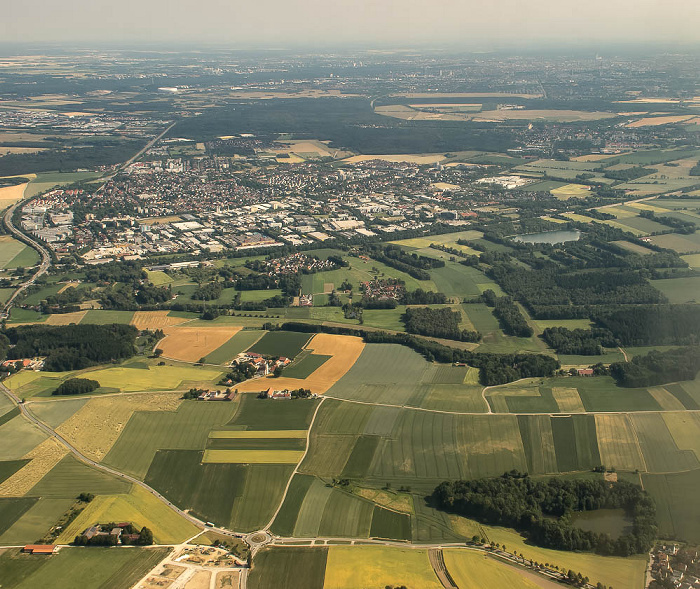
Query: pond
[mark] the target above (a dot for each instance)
(549, 236)
(609, 521)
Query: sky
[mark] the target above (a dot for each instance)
(368, 23)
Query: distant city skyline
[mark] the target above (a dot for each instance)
(309, 23)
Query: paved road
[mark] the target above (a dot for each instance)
(45, 256)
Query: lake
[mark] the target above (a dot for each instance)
(609, 521)
(549, 236)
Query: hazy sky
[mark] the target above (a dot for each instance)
(280, 23)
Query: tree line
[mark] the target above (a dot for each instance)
(494, 368)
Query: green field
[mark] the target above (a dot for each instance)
(575, 442)
(281, 343)
(291, 568)
(227, 494)
(47, 180)
(304, 366)
(538, 443)
(72, 567)
(677, 506)
(15, 254)
(10, 467)
(660, 452)
(70, 477)
(240, 342)
(55, 412)
(680, 290)
(12, 509)
(35, 522)
(147, 432)
(105, 317)
(390, 524)
(18, 437)
(260, 414)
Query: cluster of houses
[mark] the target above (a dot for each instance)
(383, 289)
(26, 363)
(123, 532)
(667, 565)
(264, 365)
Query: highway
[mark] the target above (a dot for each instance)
(45, 256)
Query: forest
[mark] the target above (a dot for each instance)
(658, 367)
(72, 347)
(76, 386)
(584, 342)
(543, 509)
(653, 324)
(437, 323)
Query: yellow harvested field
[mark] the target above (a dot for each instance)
(446, 105)
(375, 567)
(200, 580)
(189, 344)
(4, 150)
(95, 427)
(252, 456)
(685, 429)
(657, 121)
(617, 442)
(474, 570)
(595, 157)
(41, 460)
(577, 217)
(411, 158)
(11, 194)
(139, 507)
(65, 318)
(155, 320)
(666, 400)
(258, 434)
(570, 191)
(568, 400)
(344, 351)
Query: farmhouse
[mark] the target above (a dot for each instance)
(40, 548)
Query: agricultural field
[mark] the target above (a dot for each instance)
(185, 427)
(72, 567)
(281, 343)
(621, 573)
(675, 495)
(14, 254)
(139, 507)
(343, 351)
(134, 375)
(153, 320)
(375, 567)
(292, 568)
(680, 290)
(240, 342)
(189, 344)
(471, 570)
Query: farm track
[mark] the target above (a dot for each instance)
(552, 413)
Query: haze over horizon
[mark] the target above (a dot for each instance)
(277, 23)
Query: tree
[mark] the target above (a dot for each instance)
(145, 536)
(157, 352)
(277, 372)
